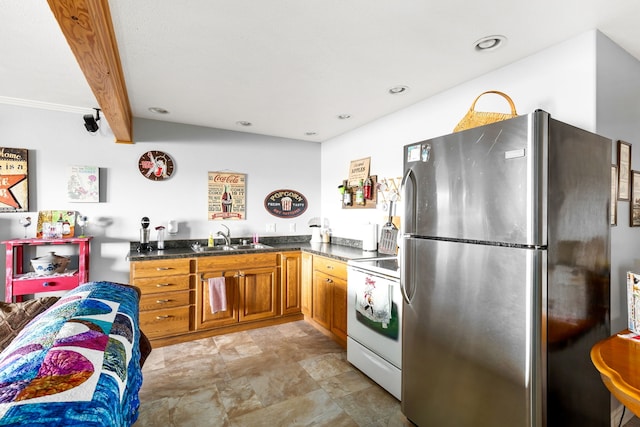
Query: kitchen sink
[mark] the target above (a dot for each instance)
(239, 247)
(251, 246)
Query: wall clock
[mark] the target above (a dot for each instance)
(156, 165)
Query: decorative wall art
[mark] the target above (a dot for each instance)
(226, 195)
(14, 180)
(156, 165)
(285, 203)
(358, 171)
(83, 184)
(634, 215)
(613, 210)
(55, 224)
(624, 170)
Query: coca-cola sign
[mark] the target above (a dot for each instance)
(285, 203)
(226, 195)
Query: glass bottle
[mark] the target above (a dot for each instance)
(360, 194)
(368, 194)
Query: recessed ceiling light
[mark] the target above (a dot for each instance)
(158, 110)
(344, 116)
(243, 123)
(488, 43)
(398, 89)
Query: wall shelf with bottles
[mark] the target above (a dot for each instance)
(351, 199)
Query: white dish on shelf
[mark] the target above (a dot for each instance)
(49, 264)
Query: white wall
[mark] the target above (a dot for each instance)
(559, 80)
(618, 110)
(56, 140)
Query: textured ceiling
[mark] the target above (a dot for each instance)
(291, 67)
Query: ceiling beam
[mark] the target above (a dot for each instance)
(87, 26)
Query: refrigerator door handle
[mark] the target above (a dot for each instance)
(403, 279)
(408, 187)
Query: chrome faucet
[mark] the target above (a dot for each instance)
(226, 236)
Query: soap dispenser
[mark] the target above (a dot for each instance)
(210, 242)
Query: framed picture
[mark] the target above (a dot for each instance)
(624, 170)
(83, 184)
(226, 193)
(613, 210)
(635, 200)
(14, 180)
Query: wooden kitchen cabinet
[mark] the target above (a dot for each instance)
(166, 304)
(321, 300)
(290, 279)
(205, 319)
(306, 283)
(258, 293)
(262, 289)
(251, 284)
(339, 309)
(329, 297)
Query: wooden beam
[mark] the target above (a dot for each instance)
(87, 26)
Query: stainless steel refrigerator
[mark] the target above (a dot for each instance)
(505, 274)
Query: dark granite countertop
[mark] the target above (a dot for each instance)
(341, 249)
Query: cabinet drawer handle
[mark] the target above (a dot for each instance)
(166, 316)
(162, 301)
(45, 284)
(164, 268)
(162, 285)
(328, 280)
(329, 267)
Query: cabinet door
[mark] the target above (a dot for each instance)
(204, 318)
(258, 293)
(290, 263)
(339, 308)
(306, 283)
(321, 311)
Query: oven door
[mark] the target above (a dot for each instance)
(374, 313)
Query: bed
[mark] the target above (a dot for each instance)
(76, 363)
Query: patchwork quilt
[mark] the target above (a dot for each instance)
(78, 363)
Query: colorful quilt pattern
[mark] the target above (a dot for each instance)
(78, 363)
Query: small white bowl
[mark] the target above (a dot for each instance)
(49, 264)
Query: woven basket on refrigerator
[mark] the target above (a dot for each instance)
(475, 118)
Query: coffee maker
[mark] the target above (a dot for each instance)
(144, 235)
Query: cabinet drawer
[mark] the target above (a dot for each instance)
(165, 300)
(330, 266)
(163, 284)
(237, 262)
(160, 268)
(42, 284)
(160, 323)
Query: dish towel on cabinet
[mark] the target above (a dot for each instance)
(217, 294)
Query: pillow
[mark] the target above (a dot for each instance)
(15, 316)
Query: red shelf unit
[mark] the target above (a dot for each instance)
(19, 283)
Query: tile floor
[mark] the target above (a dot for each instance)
(284, 375)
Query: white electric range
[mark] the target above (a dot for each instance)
(374, 320)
